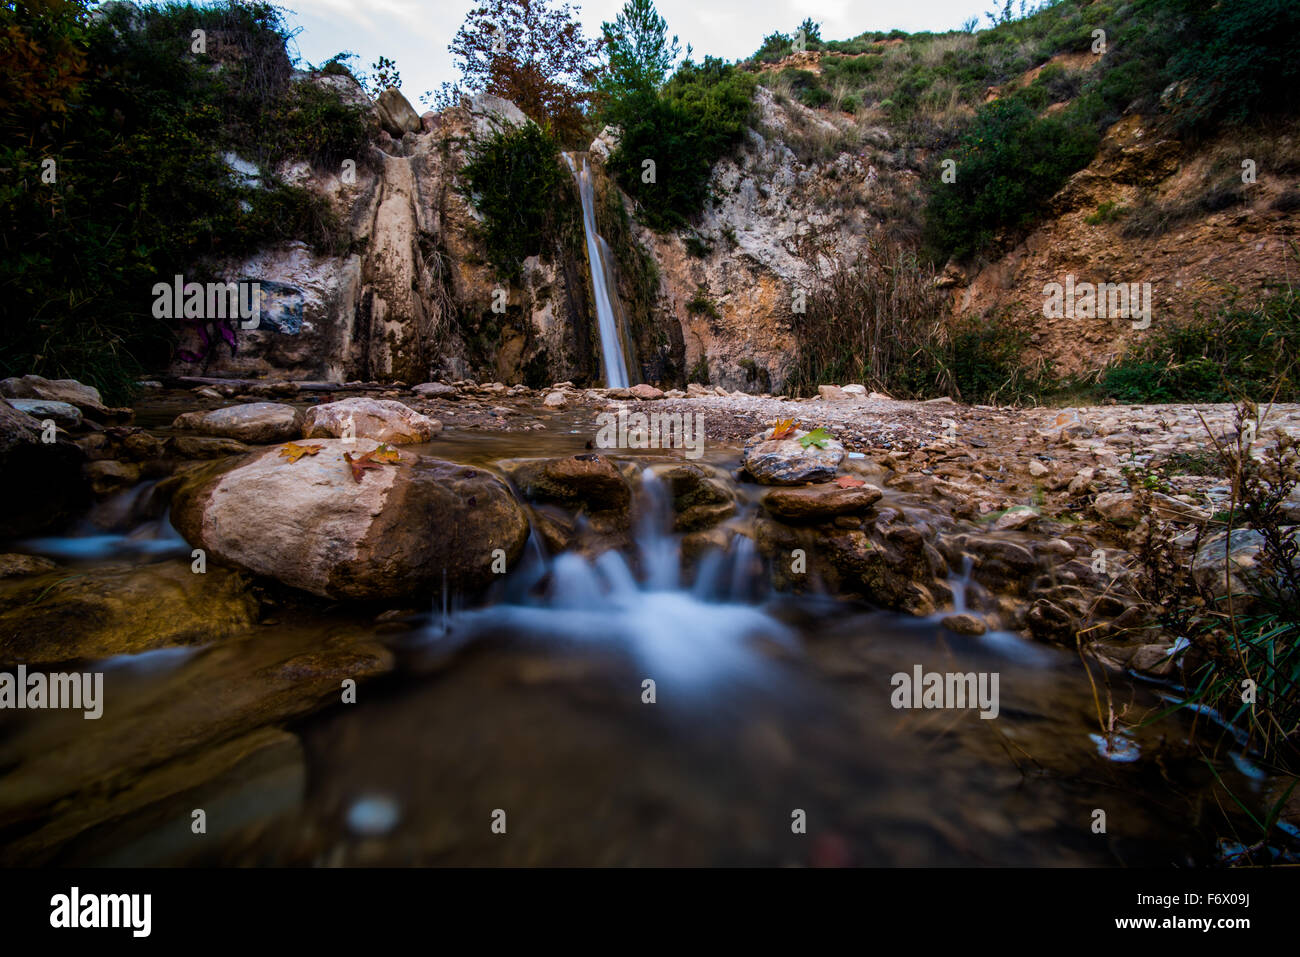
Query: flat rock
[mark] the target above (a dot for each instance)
(820, 502)
(383, 420)
(434, 390)
(256, 422)
(63, 413)
(646, 392)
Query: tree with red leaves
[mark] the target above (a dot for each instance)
(533, 53)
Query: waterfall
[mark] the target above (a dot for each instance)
(609, 313)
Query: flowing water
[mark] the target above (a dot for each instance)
(609, 310)
(534, 710)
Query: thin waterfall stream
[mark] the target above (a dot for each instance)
(609, 310)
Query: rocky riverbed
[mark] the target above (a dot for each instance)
(355, 521)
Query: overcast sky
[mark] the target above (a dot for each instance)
(415, 33)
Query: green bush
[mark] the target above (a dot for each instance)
(1236, 352)
(513, 180)
(1008, 165)
(141, 192)
(700, 115)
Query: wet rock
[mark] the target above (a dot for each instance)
(1037, 469)
(646, 392)
(41, 484)
(109, 475)
(310, 525)
(118, 609)
(965, 624)
(786, 462)
(817, 503)
(14, 565)
(1016, 517)
(555, 400)
(255, 422)
(383, 420)
(1153, 660)
(434, 390)
(62, 413)
(700, 499)
(588, 482)
(205, 447)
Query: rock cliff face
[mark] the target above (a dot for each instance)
(413, 297)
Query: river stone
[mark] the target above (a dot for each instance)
(53, 390)
(63, 413)
(434, 390)
(555, 400)
(786, 462)
(310, 525)
(120, 609)
(256, 422)
(205, 447)
(646, 392)
(589, 481)
(383, 420)
(1232, 563)
(831, 393)
(818, 503)
(41, 485)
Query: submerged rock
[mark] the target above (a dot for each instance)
(120, 609)
(383, 420)
(311, 525)
(255, 422)
(786, 462)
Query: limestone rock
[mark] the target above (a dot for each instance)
(396, 115)
(310, 525)
(63, 413)
(383, 420)
(255, 422)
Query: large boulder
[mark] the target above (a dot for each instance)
(786, 462)
(311, 525)
(41, 484)
(396, 115)
(380, 419)
(256, 422)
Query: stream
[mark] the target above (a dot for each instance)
(521, 732)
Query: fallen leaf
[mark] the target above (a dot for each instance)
(782, 428)
(848, 481)
(361, 463)
(385, 453)
(818, 437)
(293, 451)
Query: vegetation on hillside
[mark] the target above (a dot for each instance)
(113, 142)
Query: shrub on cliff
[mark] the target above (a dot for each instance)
(114, 140)
(514, 180)
(671, 139)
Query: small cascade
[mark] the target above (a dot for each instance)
(691, 630)
(609, 309)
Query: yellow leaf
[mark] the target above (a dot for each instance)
(293, 451)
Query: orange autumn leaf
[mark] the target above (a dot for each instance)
(361, 463)
(782, 428)
(848, 481)
(385, 453)
(293, 451)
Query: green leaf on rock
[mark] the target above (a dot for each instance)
(818, 437)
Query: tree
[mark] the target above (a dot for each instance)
(531, 52)
(638, 50)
